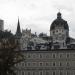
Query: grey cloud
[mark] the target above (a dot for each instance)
(39, 14)
(44, 18)
(62, 7)
(63, 4)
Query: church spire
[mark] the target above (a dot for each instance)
(18, 31)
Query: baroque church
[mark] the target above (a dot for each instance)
(59, 31)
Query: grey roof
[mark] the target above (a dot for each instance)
(59, 22)
(6, 34)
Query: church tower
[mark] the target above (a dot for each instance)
(18, 31)
(18, 34)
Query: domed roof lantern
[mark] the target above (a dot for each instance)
(58, 15)
(59, 22)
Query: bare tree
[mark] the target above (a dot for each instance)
(9, 55)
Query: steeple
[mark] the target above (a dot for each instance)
(18, 31)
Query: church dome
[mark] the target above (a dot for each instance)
(59, 22)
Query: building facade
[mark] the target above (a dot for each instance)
(54, 62)
(26, 36)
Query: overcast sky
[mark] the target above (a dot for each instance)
(36, 14)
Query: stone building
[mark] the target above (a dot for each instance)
(59, 31)
(38, 43)
(59, 60)
(26, 36)
(52, 62)
(6, 38)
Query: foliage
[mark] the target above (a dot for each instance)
(9, 55)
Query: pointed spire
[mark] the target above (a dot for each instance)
(18, 31)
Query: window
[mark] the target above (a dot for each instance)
(61, 73)
(60, 55)
(25, 64)
(67, 73)
(53, 32)
(53, 55)
(28, 55)
(59, 29)
(60, 64)
(34, 63)
(29, 73)
(53, 73)
(59, 33)
(34, 56)
(16, 65)
(15, 71)
(67, 64)
(47, 73)
(73, 72)
(41, 73)
(67, 55)
(29, 63)
(41, 64)
(40, 56)
(47, 56)
(73, 55)
(53, 63)
(56, 38)
(56, 30)
(47, 64)
(63, 38)
(66, 33)
(22, 64)
(34, 73)
(19, 64)
(19, 72)
(22, 73)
